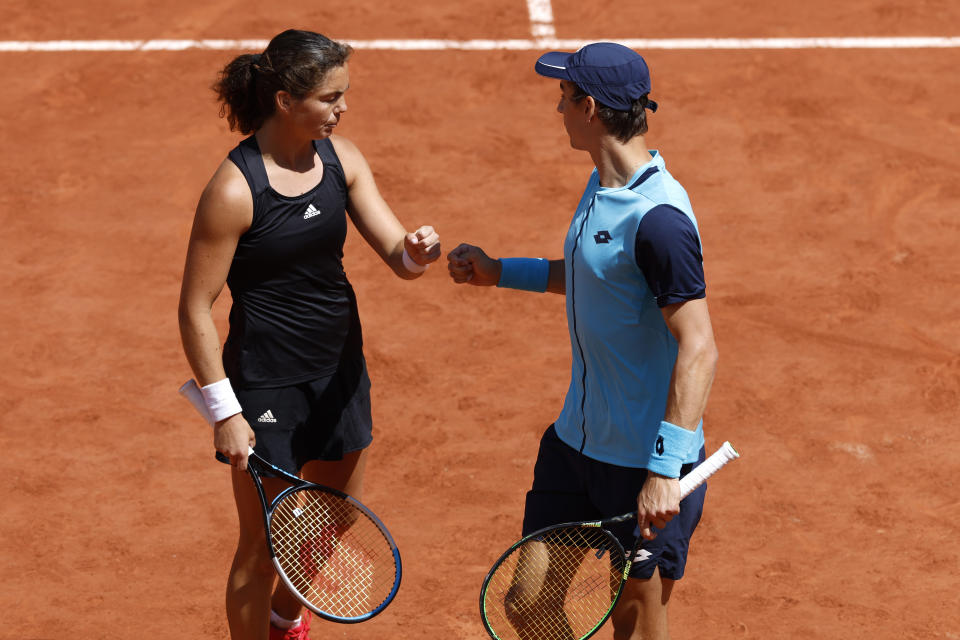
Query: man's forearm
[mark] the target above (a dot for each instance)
(690, 383)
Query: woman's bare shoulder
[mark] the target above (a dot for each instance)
(227, 196)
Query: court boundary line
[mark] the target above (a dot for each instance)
(541, 18)
(916, 42)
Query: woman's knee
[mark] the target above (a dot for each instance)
(252, 555)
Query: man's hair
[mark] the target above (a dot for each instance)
(623, 125)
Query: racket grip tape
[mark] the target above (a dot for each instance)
(222, 457)
(707, 468)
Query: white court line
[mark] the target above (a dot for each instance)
(491, 45)
(541, 18)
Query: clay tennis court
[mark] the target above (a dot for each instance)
(827, 185)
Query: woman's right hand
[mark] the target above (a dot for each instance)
(234, 438)
(470, 264)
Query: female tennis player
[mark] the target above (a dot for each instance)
(642, 344)
(291, 380)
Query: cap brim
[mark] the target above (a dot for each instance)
(553, 65)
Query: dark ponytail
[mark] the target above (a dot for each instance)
(294, 61)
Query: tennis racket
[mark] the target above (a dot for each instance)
(563, 582)
(330, 551)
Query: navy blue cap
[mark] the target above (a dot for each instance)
(611, 73)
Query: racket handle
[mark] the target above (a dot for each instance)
(707, 468)
(225, 460)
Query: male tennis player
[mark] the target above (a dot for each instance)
(644, 355)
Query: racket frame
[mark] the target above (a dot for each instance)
(256, 465)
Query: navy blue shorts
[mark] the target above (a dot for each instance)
(570, 487)
(321, 419)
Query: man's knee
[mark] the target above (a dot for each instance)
(641, 613)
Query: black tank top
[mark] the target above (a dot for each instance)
(294, 313)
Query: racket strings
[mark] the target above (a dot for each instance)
(332, 553)
(558, 586)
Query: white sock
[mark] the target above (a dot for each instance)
(283, 623)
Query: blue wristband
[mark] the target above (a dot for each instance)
(670, 450)
(529, 274)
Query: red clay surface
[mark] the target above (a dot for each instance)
(827, 185)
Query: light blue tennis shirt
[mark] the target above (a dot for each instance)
(623, 352)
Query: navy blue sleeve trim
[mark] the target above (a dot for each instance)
(669, 255)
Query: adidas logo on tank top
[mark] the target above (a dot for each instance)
(311, 211)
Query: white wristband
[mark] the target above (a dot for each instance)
(220, 400)
(191, 392)
(412, 266)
